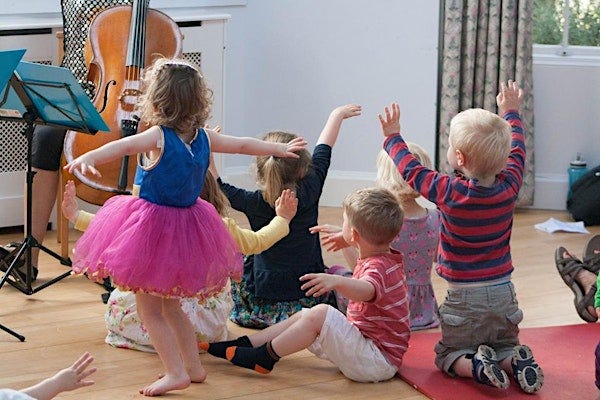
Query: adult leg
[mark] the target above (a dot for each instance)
(45, 184)
(165, 343)
(47, 148)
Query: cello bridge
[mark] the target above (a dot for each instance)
(129, 98)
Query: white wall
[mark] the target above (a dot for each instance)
(289, 63)
(567, 122)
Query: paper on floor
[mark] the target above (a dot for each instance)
(553, 225)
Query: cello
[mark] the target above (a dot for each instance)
(114, 67)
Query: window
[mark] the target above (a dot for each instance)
(567, 23)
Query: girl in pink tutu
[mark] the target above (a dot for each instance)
(167, 243)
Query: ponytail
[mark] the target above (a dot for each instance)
(274, 174)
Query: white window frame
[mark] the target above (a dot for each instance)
(563, 53)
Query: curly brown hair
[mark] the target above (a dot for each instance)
(174, 94)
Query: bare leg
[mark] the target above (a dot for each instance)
(45, 185)
(186, 339)
(299, 333)
(165, 343)
(271, 332)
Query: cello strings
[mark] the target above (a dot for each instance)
(136, 59)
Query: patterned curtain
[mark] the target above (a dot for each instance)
(484, 43)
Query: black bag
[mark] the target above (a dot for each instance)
(584, 201)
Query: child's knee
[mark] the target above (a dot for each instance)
(317, 314)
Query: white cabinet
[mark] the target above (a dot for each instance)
(204, 44)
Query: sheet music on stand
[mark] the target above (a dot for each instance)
(9, 61)
(55, 94)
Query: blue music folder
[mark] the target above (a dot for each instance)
(57, 97)
(8, 62)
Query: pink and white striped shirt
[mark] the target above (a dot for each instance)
(385, 318)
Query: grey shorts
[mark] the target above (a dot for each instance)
(472, 316)
(47, 147)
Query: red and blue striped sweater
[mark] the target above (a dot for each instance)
(476, 221)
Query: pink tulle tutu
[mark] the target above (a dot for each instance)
(167, 251)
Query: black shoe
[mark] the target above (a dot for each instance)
(104, 297)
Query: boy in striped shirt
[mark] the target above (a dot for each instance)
(368, 344)
(480, 316)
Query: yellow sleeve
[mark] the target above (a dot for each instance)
(83, 220)
(251, 242)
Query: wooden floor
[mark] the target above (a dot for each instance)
(67, 318)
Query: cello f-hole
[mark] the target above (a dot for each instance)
(105, 98)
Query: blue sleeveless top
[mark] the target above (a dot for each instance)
(177, 178)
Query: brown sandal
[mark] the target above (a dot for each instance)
(568, 268)
(591, 255)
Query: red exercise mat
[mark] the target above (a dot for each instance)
(565, 353)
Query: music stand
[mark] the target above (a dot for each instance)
(40, 95)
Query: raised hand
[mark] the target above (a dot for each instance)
(290, 148)
(510, 97)
(69, 204)
(331, 236)
(390, 121)
(347, 111)
(286, 204)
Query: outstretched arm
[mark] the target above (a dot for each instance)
(331, 129)
(352, 288)
(146, 141)
(71, 378)
(254, 147)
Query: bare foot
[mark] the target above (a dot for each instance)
(165, 384)
(197, 374)
(586, 279)
(195, 378)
